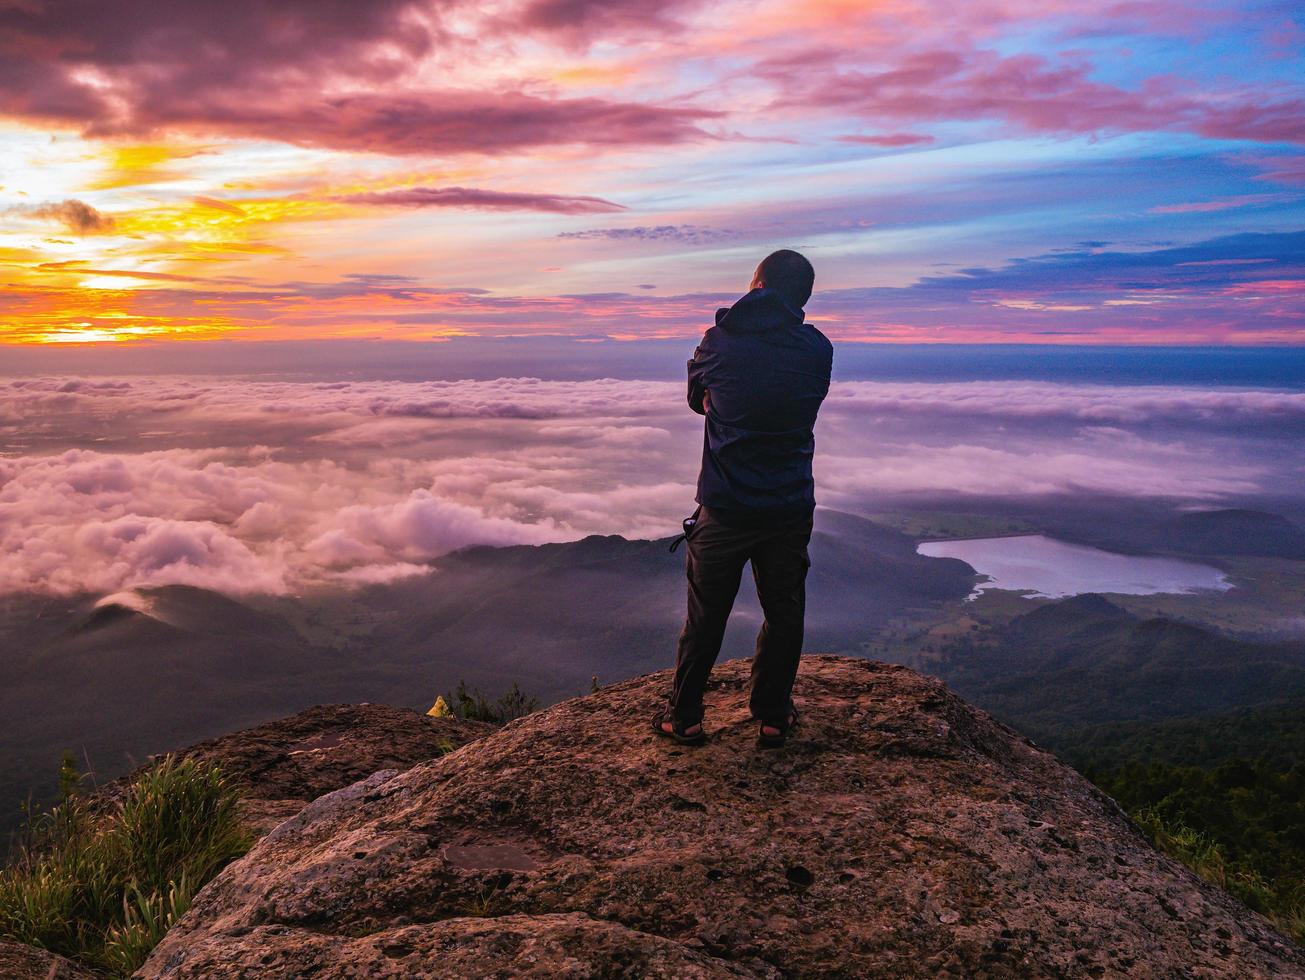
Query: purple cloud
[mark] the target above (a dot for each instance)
(424, 122)
(684, 234)
(1208, 265)
(583, 20)
(1030, 92)
(259, 70)
(288, 485)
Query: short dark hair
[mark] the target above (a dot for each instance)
(788, 273)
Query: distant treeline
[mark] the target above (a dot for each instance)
(1275, 735)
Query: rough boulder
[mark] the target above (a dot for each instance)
(901, 833)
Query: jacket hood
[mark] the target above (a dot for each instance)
(758, 311)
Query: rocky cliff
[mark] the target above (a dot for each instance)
(900, 833)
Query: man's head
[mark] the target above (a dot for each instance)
(787, 273)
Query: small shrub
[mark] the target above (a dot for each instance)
(103, 887)
(487, 903)
(470, 704)
(515, 704)
(179, 819)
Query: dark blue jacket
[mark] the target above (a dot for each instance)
(767, 373)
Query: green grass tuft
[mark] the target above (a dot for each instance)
(1279, 901)
(103, 888)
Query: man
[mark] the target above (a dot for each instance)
(759, 377)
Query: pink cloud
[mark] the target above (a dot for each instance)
(1218, 204)
(193, 49)
(423, 122)
(1283, 287)
(994, 471)
(888, 139)
(1256, 116)
(1281, 169)
(145, 551)
(418, 528)
(484, 200)
(585, 20)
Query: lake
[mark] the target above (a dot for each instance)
(1052, 569)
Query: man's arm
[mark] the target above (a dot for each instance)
(697, 381)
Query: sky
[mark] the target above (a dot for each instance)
(607, 170)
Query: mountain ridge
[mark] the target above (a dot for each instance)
(550, 617)
(1114, 667)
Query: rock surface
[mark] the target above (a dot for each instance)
(900, 833)
(286, 764)
(21, 962)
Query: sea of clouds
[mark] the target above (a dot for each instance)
(275, 487)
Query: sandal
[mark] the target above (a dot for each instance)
(769, 741)
(678, 732)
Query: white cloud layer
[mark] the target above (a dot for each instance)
(258, 486)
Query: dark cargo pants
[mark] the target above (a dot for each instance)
(716, 555)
